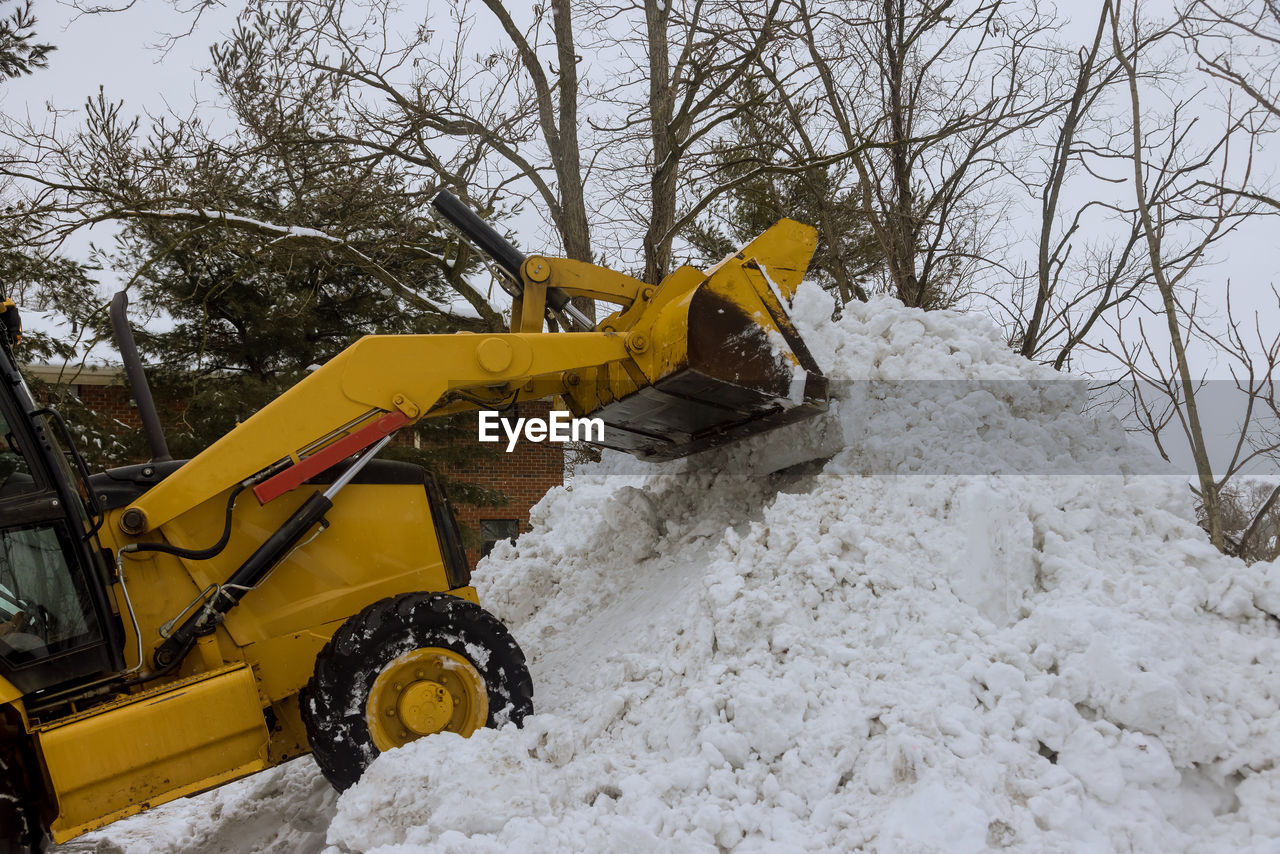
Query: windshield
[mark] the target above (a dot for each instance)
(63, 456)
(43, 605)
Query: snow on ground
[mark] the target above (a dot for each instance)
(834, 658)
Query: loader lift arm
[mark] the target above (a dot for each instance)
(702, 358)
(415, 375)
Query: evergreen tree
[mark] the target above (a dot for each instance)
(262, 254)
(246, 319)
(19, 52)
(25, 272)
(36, 276)
(239, 320)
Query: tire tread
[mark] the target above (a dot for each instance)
(365, 643)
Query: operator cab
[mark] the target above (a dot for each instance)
(56, 626)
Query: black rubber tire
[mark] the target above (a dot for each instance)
(333, 702)
(20, 832)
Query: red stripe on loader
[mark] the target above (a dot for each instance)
(308, 467)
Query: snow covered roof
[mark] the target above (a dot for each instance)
(77, 374)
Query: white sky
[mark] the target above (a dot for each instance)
(118, 52)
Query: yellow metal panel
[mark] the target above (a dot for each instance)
(424, 366)
(580, 278)
(284, 664)
(302, 414)
(147, 750)
(783, 250)
(468, 593)
(620, 382)
(8, 693)
(674, 287)
(533, 306)
(669, 337)
(380, 541)
(159, 588)
(666, 322)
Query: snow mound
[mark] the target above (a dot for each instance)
(828, 661)
(834, 658)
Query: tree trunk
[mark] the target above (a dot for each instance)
(901, 216)
(662, 184)
(1209, 488)
(575, 230)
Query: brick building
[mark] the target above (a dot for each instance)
(522, 476)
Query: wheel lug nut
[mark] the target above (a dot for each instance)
(391, 713)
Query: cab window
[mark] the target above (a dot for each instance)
(44, 608)
(15, 475)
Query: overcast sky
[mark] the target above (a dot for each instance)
(119, 52)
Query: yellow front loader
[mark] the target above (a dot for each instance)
(171, 626)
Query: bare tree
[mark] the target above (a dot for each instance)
(1239, 43)
(714, 48)
(491, 105)
(929, 99)
(1091, 79)
(1240, 434)
(489, 102)
(1082, 276)
(113, 170)
(1251, 514)
(768, 165)
(1171, 200)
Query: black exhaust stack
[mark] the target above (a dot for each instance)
(138, 379)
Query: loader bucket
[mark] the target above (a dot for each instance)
(721, 357)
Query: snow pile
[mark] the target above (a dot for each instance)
(842, 659)
(285, 809)
(819, 662)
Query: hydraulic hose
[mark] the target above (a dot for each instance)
(194, 554)
(276, 548)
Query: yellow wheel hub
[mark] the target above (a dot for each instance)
(422, 692)
(425, 707)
